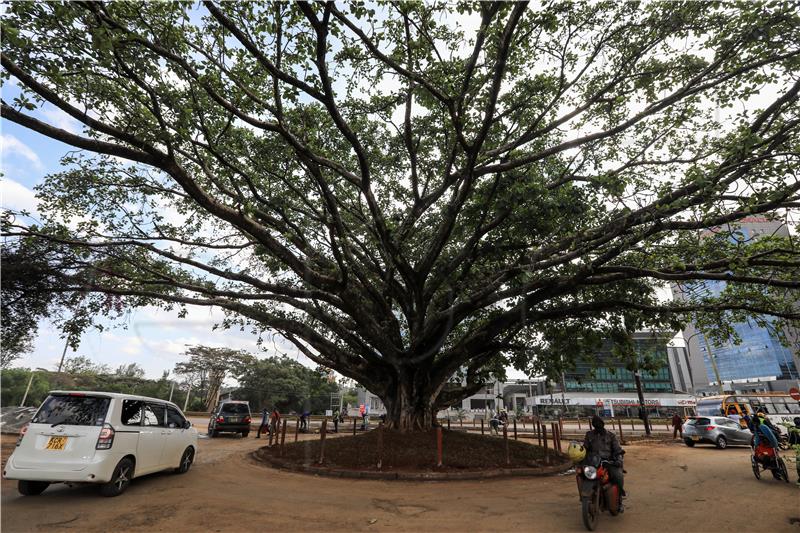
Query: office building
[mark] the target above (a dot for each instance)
(759, 362)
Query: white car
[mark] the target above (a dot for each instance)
(100, 437)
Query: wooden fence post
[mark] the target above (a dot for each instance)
(544, 434)
(560, 427)
(554, 430)
(354, 426)
(322, 432)
(539, 430)
(269, 443)
(621, 436)
(515, 429)
(632, 428)
(448, 422)
(438, 446)
(579, 423)
(296, 429)
(283, 435)
(481, 426)
(380, 446)
(505, 439)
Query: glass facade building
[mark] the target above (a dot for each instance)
(606, 374)
(760, 355)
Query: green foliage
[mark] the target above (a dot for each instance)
(14, 381)
(284, 383)
(402, 198)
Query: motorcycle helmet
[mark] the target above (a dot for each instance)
(576, 451)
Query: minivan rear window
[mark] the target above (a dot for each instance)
(73, 410)
(235, 409)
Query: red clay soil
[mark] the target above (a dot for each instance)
(414, 452)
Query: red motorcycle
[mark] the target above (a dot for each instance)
(596, 490)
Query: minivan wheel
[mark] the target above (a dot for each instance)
(186, 461)
(120, 479)
(722, 443)
(688, 442)
(32, 488)
(245, 434)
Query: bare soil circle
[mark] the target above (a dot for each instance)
(414, 452)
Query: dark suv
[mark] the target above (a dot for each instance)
(230, 416)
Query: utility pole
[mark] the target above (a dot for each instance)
(27, 389)
(171, 390)
(63, 354)
(188, 393)
(713, 364)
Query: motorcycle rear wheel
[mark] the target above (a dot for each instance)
(756, 468)
(783, 470)
(589, 511)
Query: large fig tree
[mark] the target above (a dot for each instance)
(414, 193)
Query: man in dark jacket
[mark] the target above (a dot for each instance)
(677, 426)
(602, 443)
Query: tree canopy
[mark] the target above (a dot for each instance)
(413, 191)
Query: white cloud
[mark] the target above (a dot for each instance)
(55, 117)
(10, 146)
(17, 197)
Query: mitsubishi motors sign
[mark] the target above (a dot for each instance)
(627, 402)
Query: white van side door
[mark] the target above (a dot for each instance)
(177, 437)
(151, 438)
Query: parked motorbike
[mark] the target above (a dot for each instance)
(596, 491)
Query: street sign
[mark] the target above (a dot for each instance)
(794, 393)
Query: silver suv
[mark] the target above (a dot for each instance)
(717, 430)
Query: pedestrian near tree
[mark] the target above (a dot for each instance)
(677, 426)
(264, 427)
(274, 421)
(336, 415)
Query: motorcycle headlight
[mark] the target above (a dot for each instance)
(590, 472)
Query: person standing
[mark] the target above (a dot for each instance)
(274, 422)
(677, 426)
(336, 421)
(794, 441)
(733, 415)
(264, 427)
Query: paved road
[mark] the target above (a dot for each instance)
(673, 488)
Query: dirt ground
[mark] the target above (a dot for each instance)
(672, 488)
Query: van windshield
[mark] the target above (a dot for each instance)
(73, 411)
(235, 409)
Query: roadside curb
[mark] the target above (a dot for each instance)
(265, 459)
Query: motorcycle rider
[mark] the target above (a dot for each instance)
(764, 444)
(603, 443)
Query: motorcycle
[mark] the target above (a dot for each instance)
(761, 459)
(596, 491)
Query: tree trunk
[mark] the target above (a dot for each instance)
(642, 407)
(408, 408)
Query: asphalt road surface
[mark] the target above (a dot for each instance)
(672, 488)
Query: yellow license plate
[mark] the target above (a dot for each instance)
(695, 438)
(56, 443)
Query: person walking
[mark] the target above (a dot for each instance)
(264, 427)
(274, 422)
(677, 426)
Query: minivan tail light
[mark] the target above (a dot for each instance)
(246, 420)
(106, 437)
(709, 428)
(22, 431)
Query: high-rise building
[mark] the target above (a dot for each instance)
(759, 361)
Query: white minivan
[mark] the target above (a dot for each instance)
(100, 437)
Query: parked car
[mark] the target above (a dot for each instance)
(100, 437)
(717, 430)
(230, 416)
